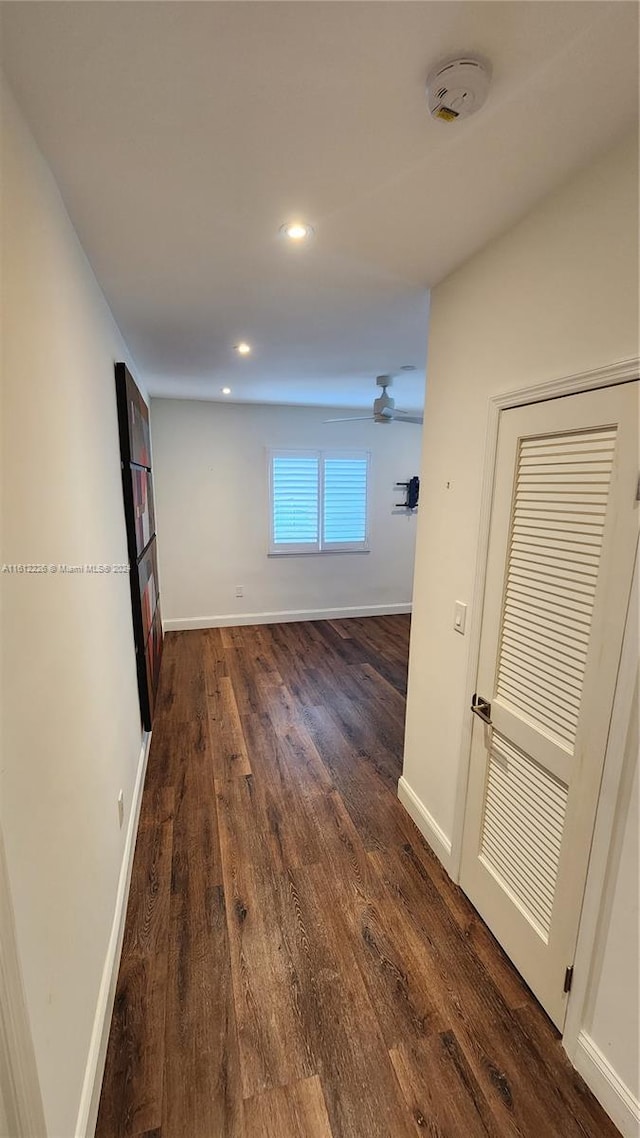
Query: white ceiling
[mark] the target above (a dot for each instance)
(183, 134)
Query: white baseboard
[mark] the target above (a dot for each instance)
(426, 823)
(94, 1070)
(620, 1104)
(182, 624)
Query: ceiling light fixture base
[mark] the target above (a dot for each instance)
(297, 232)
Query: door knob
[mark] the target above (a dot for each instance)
(481, 707)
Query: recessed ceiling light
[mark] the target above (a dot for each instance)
(297, 230)
(226, 391)
(243, 348)
(408, 367)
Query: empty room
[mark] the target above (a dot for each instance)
(319, 594)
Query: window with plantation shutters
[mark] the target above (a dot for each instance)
(318, 501)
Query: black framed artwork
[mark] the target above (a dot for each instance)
(136, 445)
(153, 654)
(137, 491)
(143, 512)
(148, 586)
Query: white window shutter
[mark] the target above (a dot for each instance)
(345, 501)
(294, 491)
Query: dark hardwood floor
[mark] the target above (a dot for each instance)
(296, 963)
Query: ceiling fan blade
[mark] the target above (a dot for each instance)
(350, 419)
(405, 418)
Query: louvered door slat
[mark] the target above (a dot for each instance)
(558, 625)
(565, 495)
(581, 523)
(552, 582)
(538, 637)
(563, 460)
(559, 726)
(525, 880)
(523, 855)
(562, 543)
(528, 800)
(531, 862)
(558, 722)
(536, 546)
(540, 562)
(573, 440)
(521, 642)
(537, 671)
(556, 531)
(539, 602)
(536, 694)
(535, 791)
(538, 596)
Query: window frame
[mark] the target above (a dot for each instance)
(319, 547)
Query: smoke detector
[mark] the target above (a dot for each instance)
(457, 88)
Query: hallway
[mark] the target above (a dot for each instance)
(296, 963)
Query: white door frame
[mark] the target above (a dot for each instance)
(19, 1086)
(622, 372)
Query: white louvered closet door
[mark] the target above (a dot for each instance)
(563, 534)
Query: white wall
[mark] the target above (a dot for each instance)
(71, 728)
(210, 472)
(556, 295)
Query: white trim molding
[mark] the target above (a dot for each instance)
(615, 790)
(94, 1070)
(622, 372)
(426, 823)
(620, 1104)
(182, 624)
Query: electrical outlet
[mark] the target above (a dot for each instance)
(121, 808)
(239, 590)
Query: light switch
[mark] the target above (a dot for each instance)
(460, 617)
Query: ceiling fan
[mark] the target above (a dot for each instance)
(384, 408)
